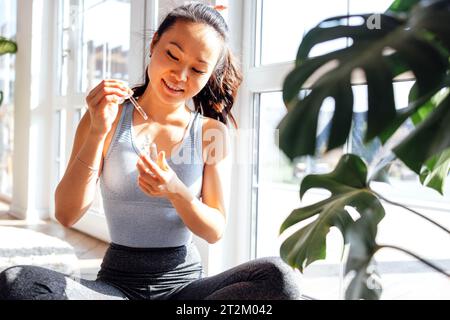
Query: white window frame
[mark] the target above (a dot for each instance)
(94, 221)
(269, 78)
(145, 16)
(257, 80)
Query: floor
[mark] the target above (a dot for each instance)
(398, 284)
(89, 250)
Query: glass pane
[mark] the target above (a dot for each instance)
(284, 23)
(65, 27)
(105, 41)
(8, 13)
(400, 227)
(57, 143)
(77, 117)
(369, 6)
(164, 7)
(277, 186)
(401, 177)
(275, 167)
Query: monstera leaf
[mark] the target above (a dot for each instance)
(402, 6)
(435, 171)
(348, 187)
(431, 137)
(7, 46)
(418, 42)
(365, 283)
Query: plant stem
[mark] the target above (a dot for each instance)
(413, 211)
(431, 265)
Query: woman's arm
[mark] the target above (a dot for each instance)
(207, 218)
(76, 190)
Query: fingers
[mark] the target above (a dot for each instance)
(153, 167)
(109, 94)
(106, 88)
(144, 171)
(159, 158)
(153, 152)
(107, 83)
(162, 163)
(148, 188)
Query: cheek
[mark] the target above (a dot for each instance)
(158, 65)
(199, 85)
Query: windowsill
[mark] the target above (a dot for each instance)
(412, 200)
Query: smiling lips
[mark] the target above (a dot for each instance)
(172, 87)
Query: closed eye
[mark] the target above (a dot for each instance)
(198, 71)
(176, 59)
(171, 55)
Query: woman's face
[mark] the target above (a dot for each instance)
(183, 59)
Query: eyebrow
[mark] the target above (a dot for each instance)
(181, 49)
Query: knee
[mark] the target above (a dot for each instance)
(281, 276)
(24, 283)
(8, 280)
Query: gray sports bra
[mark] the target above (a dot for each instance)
(134, 218)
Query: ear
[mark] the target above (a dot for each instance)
(154, 42)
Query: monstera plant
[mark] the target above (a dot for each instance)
(6, 46)
(411, 36)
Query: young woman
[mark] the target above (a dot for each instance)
(155, 200)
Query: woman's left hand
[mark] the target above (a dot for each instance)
(157, 179)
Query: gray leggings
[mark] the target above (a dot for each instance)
(154, 274)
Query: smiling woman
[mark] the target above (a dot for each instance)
(154, 203)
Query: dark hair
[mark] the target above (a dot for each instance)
(216, 99)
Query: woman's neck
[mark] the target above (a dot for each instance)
(162, 112)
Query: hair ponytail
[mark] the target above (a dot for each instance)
(218, 96)
(139, 90)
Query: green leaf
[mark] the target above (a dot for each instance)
(7, 46)
(361, 235)
(429, 139)
(435, 171)
(365, 285)
(428, 107)
(347, 183)
(423, 111)
(350, 173)
(418, 44)
(402, 6)
(404, 114)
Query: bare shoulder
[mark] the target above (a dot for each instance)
(216, 140)
(213, 124)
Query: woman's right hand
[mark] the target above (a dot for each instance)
(103, 104)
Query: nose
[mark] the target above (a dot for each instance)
(180, 74)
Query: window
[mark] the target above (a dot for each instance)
(275, 181)
(285, 22)
(276, 184)
(105, 42)
(404, 182)
(94, 44)
(8, 13)
(58, 138)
